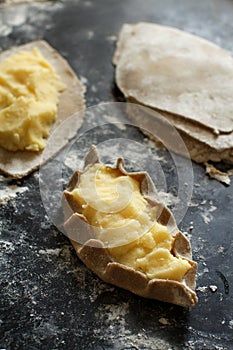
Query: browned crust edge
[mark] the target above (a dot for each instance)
(96, 257)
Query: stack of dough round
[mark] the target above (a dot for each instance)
(186, 78)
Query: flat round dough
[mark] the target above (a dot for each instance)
(71, 100)
(176, 72)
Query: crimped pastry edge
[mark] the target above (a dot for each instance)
(97, 258)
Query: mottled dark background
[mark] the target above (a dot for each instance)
(49, 300)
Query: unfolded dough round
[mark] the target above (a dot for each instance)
(187, 78)
(21, 163)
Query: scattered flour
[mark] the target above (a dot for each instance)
(88, 3)
(206, 214)
(72, 161)
(11, 19)
(94, 88)
(111, 38)
(83, 80)
(168, 199)
(115, 121)
(221, 249)
(202, 289)
(6, 245)
(55, 251)
(90, 34)
(213, 288)
(193, 205)
(115, 316)
(11, 192)
(117, 312)
(16, 2)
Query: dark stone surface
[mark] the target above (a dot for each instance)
(49, 300)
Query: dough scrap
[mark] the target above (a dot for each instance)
(218, 175)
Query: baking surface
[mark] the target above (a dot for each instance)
(49, 299)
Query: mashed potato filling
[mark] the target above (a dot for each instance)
(124, 221)
(29, 95)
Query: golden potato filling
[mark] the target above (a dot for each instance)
(125, 222)
(29, 94)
